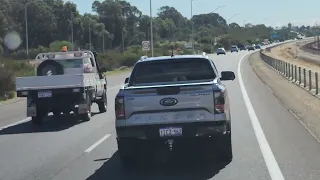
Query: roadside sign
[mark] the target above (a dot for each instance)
(145, 45)
(188, 45)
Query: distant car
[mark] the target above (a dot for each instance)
(241, 47)
(221, 51)
(258, 46)
(234, 49)
(251, 48)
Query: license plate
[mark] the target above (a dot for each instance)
(171, 131)
(44, 94)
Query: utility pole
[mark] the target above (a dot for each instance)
(71, 23)
(26, 22)
(90, 34)
(103, 42)
(192, 39)
(122, 39)
(151, 28)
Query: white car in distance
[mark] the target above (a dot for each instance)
(221, 51)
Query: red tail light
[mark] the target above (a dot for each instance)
(119, 108)
(219, 102)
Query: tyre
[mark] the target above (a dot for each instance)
(49, 67)
(127, 158)
(225, 148)
(87, 116)
(103, 103)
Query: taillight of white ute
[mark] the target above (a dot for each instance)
(119, 107)
(219, 102)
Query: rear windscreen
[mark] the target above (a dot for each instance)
(71, 63)
(172, 71)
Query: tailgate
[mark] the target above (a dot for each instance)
(172, 103)
(49, 82)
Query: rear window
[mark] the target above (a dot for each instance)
(172, 71)
(71, 63)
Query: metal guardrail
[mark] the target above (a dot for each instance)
(302, 77)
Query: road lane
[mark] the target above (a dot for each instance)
(248, 163)
(58, 150)
(27, 151)
(14, 112)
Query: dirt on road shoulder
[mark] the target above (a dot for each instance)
(289, 53)
(307, 110)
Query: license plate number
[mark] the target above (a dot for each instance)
(44, 94)
(171, 131)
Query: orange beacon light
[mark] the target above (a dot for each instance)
(64, 49)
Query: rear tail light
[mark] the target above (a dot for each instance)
(219, 102)
(119, 108)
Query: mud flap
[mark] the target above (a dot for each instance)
(31, 107)
(83, 108)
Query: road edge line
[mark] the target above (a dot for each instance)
(269, 158)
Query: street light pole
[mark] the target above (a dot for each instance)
(26, 22)
(192, 39)
(217, 8)
(103, 42)
(90, 34)
(71, 23)
(233, 16)
(151, 28)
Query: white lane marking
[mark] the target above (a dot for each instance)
(29, 118)
(271, 162)
(97, 143)
(16, 123)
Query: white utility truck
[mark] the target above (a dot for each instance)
(64, 82)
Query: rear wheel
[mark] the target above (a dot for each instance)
(103, 103)
(225, 148)
(87, 116)
(127, 158)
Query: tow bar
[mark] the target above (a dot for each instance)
(170, 143)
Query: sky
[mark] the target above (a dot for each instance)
(270, 12)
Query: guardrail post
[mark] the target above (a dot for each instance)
(286, 69)
(295, 73)
(310, 80)
(304, 78)
(316, 79)
(299, 75)
(292, 72)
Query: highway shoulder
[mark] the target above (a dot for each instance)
(299, 102)
(295, 150)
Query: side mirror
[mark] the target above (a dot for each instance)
(126, 81)
(227, 75)
(103, 70)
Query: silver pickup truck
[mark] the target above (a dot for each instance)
(170, 101)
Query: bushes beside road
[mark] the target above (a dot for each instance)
(9, 69)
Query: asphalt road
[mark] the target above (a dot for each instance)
(265, 136)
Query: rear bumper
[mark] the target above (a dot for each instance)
(189, 130)
(54, 92)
